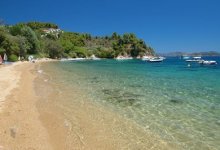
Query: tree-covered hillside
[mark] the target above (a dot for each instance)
(47, 40)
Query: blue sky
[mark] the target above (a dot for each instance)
(166, 25)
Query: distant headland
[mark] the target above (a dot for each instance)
(42, 39)
(208, 53)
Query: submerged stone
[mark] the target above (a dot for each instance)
(119, 97)
(176, 101)
(94, 80)
(136, 86)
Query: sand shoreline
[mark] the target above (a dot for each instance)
(21, 128)
(28, 123)
(9, 78)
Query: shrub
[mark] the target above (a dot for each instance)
(13, 58)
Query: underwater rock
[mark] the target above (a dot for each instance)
(94, 80)
(129, 94)
(135, 86)
(127, 102)
(111, 92)
(176, 101)
(119, 97)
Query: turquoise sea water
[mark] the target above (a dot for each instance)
(181, 104)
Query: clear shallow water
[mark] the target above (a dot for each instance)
(180, 104)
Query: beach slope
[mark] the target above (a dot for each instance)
(20, 127)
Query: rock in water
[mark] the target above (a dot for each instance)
(177, 101)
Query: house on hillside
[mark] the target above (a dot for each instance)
(51, 31)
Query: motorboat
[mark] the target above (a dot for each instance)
(208, 62)
(147, 57)
(185, 57)
(161, 57)
(195, 59)
(155, 59)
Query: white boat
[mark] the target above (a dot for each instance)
(147, 57)
(155, 59)
(208, 62)
(161, 57)
(185, 57)
(195, 59)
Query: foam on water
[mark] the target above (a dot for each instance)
(179, 103)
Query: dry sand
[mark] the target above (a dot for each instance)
(20, 127)
(8, 80)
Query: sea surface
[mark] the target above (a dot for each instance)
(177, 102)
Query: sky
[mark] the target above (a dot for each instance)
(165, 25)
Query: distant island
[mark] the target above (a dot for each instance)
(47, 40)
(177, 54)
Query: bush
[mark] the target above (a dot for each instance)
(54, 48)
(80, 51)
(13, 58)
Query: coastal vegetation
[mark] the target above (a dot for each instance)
(47, 40)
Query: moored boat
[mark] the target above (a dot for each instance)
(208, 62)
(185, 57)
(155, 59)
(147, 57)
(161, 57)
(195, 59)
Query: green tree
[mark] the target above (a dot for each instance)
(29, 34)
(55, 50)
(24, 45)
(9, 44)
(40, 25)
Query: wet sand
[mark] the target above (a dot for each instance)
(30, 121)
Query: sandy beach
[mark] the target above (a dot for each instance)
(28, 123)
(21, 128)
